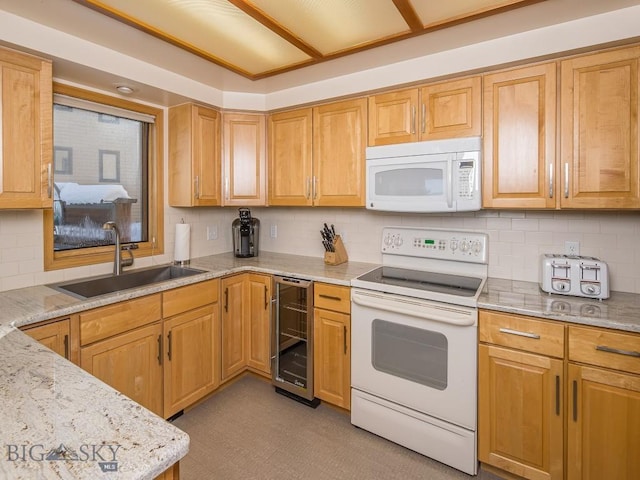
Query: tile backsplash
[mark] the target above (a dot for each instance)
(517, 238)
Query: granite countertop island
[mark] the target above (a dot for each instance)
(59, 422)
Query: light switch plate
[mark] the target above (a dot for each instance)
(212, 232)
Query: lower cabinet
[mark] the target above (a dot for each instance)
(56, 335)
(258, 323)
(130, 363)
(162, 350)
(332, 344)
(121, 345)
(246, 307)
(234, 306)
(172, 473)
(192, 339)
(530, 412)
(603, 424)
(521, 395)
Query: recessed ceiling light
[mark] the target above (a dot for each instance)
(124, 89)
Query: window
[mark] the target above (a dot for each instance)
(116, 176)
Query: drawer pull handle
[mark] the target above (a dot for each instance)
(329, 297)
(535, 336)
(629, 353)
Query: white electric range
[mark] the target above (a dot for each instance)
(414, 342)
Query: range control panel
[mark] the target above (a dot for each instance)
(457, 245)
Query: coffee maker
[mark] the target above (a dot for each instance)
(245, 230)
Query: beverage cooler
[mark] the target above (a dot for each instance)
(292, 339)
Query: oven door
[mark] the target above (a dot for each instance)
(416, 353)
(412, 184)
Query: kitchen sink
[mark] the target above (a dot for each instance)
(94, 286)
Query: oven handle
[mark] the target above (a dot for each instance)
(450, 314)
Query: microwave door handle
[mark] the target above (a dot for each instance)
(449, 184)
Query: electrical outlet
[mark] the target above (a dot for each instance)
(274, 231)
(212, 232)
(572, 248)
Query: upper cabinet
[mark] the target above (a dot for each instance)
(339, 142)
(194, 156)
(441, 110)
(26, 102)
(520, 138)
(316, 155)
(244, 159)
(599, 130)
(290, 150)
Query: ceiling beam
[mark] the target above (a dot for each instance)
(276, 27)
(409, 14)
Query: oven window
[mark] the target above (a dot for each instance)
(423, 182)
(411, 353)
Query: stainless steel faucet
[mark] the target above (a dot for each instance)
(118, 262)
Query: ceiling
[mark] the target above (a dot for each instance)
(261, 38)
(93, 49)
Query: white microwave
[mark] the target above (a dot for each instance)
(431, 176)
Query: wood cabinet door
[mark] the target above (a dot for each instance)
(332, 357)
(244, 159)
(194, 156)
(599, 130)
(393, 117)
(192, 352)
(451, 109)
(130, 363)
(234, 305)
(603, 426)
(206, 156)
(339, 142)
(520, 412)
(55, 336)
(290, 151)
(519, 160)
(26, 103)
(259, 323)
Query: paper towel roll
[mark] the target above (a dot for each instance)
(183, 240)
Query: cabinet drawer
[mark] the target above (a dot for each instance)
(605, 348)
(105, 322)
(189, 297)
(523, 333)
(332, 297)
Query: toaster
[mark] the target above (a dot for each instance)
(575, 275)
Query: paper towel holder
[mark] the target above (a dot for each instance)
(185, 262)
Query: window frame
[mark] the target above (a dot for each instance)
(155, 245)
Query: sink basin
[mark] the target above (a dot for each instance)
(94, 286)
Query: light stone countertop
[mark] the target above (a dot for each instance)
(29, 305)
(621, 311)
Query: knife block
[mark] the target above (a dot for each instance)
(340, 254)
